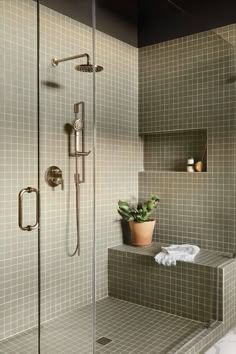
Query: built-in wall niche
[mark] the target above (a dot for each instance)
(169, 151)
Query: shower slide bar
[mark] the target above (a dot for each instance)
(78, 126)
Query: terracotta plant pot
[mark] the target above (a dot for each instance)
(142, 232)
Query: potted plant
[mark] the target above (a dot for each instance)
(140, 223)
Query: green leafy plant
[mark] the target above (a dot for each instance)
(141, 213)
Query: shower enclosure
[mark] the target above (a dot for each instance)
(47, 122)
(87, 118)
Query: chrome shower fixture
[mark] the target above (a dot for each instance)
(87, 68)
(78, 124)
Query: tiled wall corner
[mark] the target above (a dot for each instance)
(187, 84)
(229, 287)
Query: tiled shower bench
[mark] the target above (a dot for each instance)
(187, 289)
(191, 290)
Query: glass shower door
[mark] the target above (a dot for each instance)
(66, 176)
(18, 177)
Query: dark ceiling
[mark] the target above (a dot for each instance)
(145, 22)
(162, 20)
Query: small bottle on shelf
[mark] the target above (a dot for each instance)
(190, 164)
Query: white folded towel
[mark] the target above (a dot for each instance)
(173, 253)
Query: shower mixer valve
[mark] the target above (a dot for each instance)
(54, 177)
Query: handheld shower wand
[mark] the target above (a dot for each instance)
(78, 124)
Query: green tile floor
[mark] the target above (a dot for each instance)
(132, 329)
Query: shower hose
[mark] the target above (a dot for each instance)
(77, 200)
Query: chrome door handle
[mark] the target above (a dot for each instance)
(20, 216)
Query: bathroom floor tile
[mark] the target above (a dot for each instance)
(131, 328)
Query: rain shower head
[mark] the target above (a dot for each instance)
(87, 68)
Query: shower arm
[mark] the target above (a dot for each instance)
(56, 61)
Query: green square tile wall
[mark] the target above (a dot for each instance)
(184, 85)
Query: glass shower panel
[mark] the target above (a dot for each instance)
(142, 149)
(66, 176)
(18, 172)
